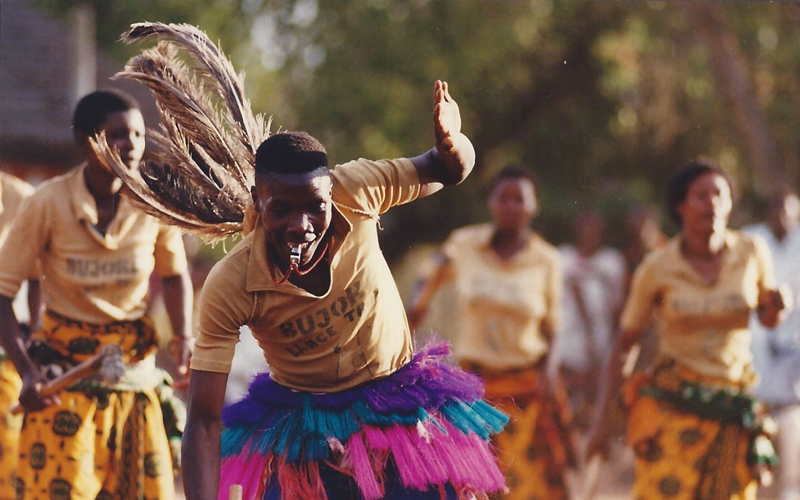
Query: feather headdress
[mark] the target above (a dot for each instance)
(208, 139)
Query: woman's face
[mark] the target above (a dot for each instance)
(513, 204)
(707, 205)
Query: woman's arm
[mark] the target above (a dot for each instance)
(14, 344)
(178, 296)
(773, 305)
(424, 291)
(201, 437)
(34, 305)
(610, 385)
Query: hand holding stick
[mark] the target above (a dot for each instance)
(108, 363)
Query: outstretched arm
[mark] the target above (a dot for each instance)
(452, 158)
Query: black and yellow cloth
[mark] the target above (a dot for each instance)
(101, 442)
(10, 425)
(696, 437)
(535, 449)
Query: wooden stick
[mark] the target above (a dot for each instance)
(87, 368)
(235, 492)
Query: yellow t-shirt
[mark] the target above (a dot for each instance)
(88, 276)
(12, 191)
(502, 305)
(355, 332)
(702, 326)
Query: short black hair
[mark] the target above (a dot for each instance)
(680, 183)
(514, 171)
(93, 109)
(290, 153)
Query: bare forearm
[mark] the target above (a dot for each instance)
(178, 302)
(12, 340)
(201, 449)
(612, 373)
(35, 304)
(201, 438)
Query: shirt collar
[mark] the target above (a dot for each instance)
(259, 277)
(485, 239)
(85, 210)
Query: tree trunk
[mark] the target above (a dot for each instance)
(729, 68)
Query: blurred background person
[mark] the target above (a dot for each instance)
(642, 236)
(27, 306)
(97, 251)
(508, 286)
(776, 351)
(594, 277)
(693, 423)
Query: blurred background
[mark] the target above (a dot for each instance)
(602, 100)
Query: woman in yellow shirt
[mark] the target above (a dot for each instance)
(508, 285)
(696, 430)
(94, 440)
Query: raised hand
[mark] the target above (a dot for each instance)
(446, 117)
(454, 151)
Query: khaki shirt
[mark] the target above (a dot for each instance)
(503, 304)
(355, 332)
(88, 276)
(12, 192)
(701, 326)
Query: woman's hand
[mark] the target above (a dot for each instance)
(182, 350)
(773, 305)
(31, 397)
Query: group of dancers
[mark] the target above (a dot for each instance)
(351, 408)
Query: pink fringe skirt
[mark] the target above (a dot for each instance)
(425, 423)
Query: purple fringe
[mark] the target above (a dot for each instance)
(427, 382)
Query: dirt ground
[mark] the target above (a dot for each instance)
(615, 480)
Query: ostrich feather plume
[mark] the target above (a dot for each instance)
(206, 145)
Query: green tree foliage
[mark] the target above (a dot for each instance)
(603, 100)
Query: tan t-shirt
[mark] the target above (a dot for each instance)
(703, 327)
(502, 305)
(87, 276)
(355, 332)
(12, 191)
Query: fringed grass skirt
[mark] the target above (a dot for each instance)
(425, 424)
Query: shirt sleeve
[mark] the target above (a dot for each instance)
(170, 255)
(25, 244)
(642, 296)
(375, 186)
(225, 306)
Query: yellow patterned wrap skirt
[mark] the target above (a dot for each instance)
(535, 449)
(683, 454)
(100, 442)
(10, 425)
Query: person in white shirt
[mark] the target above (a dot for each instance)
(776, 351)
(594, 277)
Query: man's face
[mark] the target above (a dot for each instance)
(295, 209)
